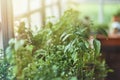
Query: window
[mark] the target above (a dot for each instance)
(20, 7)
(25, 9)
(34, 12)
(35, 20)
(35, 4)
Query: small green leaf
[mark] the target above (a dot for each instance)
(19, 44)
(29, 47)
(61, 37)
(97, 46)
(65, 36)
(73, 78)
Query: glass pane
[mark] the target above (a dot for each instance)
(20, 7)
(64, 4)
(55, 1)
(35, 4)
(56, 11)
(35, 20)
(48, 12)
(48, 2)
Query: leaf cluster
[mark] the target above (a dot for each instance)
(60, 51)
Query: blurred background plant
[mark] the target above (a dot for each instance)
(117, 12)
(100, 29)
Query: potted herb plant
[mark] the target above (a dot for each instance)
(59, 51)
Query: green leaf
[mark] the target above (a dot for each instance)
(29, 48)
(73, 78)
(66, 36)
(19, 44)
(97, 46)
(61, 37)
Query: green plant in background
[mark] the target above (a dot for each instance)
(117, 13)
(100, 29)
(59, 51)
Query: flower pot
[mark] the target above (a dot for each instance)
(116, 18)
